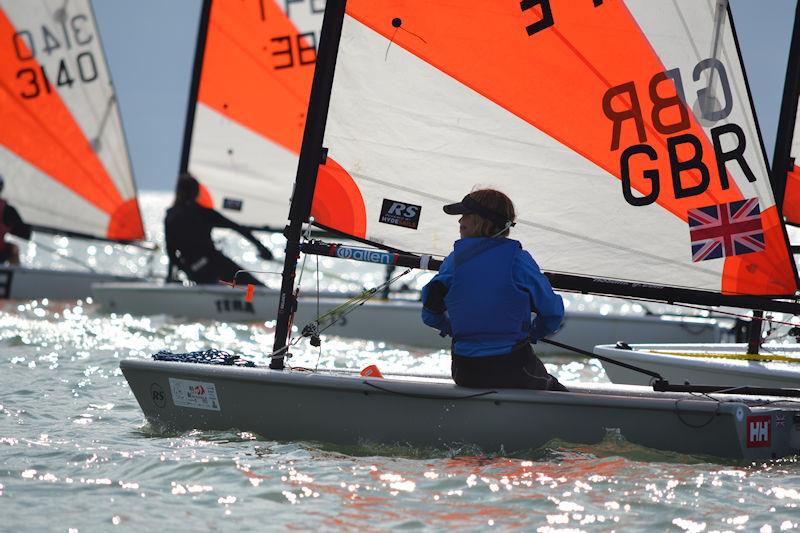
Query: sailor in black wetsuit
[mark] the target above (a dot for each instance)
(10, 222)
(187, 229)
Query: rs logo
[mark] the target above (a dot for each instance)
(400, 209)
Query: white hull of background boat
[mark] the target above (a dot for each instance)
(22, 283)
(394, 321)
(707, 364)
(348, 409)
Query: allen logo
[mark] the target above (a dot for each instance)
(400, 214)
(367, 256)
(759, 431)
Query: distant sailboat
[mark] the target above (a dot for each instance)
(253, 74)
(577, 110)
(62, 148)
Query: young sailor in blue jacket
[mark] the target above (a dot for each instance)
(484, 295)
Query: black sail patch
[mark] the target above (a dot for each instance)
(400, 214)
(234, 204)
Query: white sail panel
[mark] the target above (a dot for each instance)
(53, 202)
(253, 92)
(425, 106)
(669, 30)
(234, 176)
(62, 118)
(556, 191)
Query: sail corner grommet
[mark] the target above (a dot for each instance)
(397, 22)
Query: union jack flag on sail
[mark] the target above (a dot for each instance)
(726, 229)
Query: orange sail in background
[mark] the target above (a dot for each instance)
(62, 149)
(247, 123)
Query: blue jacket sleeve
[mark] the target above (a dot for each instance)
(438, 320)
(548, 306)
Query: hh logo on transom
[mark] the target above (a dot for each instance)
(759, 431)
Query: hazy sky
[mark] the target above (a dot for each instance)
(150, 47)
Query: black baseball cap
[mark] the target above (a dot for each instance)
(469, 206)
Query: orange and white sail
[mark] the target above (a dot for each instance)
(787, 146)
(246, 126)
(618, 128)
(63, 153)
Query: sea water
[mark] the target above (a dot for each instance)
(77, 455)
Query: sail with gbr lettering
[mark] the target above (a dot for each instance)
(63, 152)
(253, 77)
(623, 131)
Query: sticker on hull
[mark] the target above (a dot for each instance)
(759, 431)
(194, 394)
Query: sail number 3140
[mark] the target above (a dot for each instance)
(34, 48)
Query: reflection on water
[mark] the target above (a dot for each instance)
(77, 455)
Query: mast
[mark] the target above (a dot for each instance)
(780, 159)
(786, 119)
(312, 155)
(202, 34)
(781, 154)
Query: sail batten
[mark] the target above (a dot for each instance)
(629, 154)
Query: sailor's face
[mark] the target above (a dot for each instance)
(468, 225)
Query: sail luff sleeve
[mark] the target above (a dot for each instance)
(787, 119)
(202, 33)
(311, 157)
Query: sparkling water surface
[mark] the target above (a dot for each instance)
(77, 455)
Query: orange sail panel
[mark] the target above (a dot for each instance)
(49, 74)
(254, 87)
(791, 200)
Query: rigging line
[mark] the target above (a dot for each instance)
(397, 22)
(711, 418)
(319, 352)
(388, 46)
(581, 351)
(104, 121)
(351, 304)
(767, 318)
(427, 396)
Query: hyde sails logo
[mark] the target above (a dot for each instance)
(759, 431)
(400, 214)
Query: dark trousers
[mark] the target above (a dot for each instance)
(219, 267)
(520, 369)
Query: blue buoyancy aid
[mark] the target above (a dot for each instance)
(483, 301)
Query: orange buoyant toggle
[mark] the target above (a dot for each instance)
(248, 297)
(371, 372)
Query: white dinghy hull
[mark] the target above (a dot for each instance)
(707, 364)
(338, 409)
(22, 283)
(393, 322)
